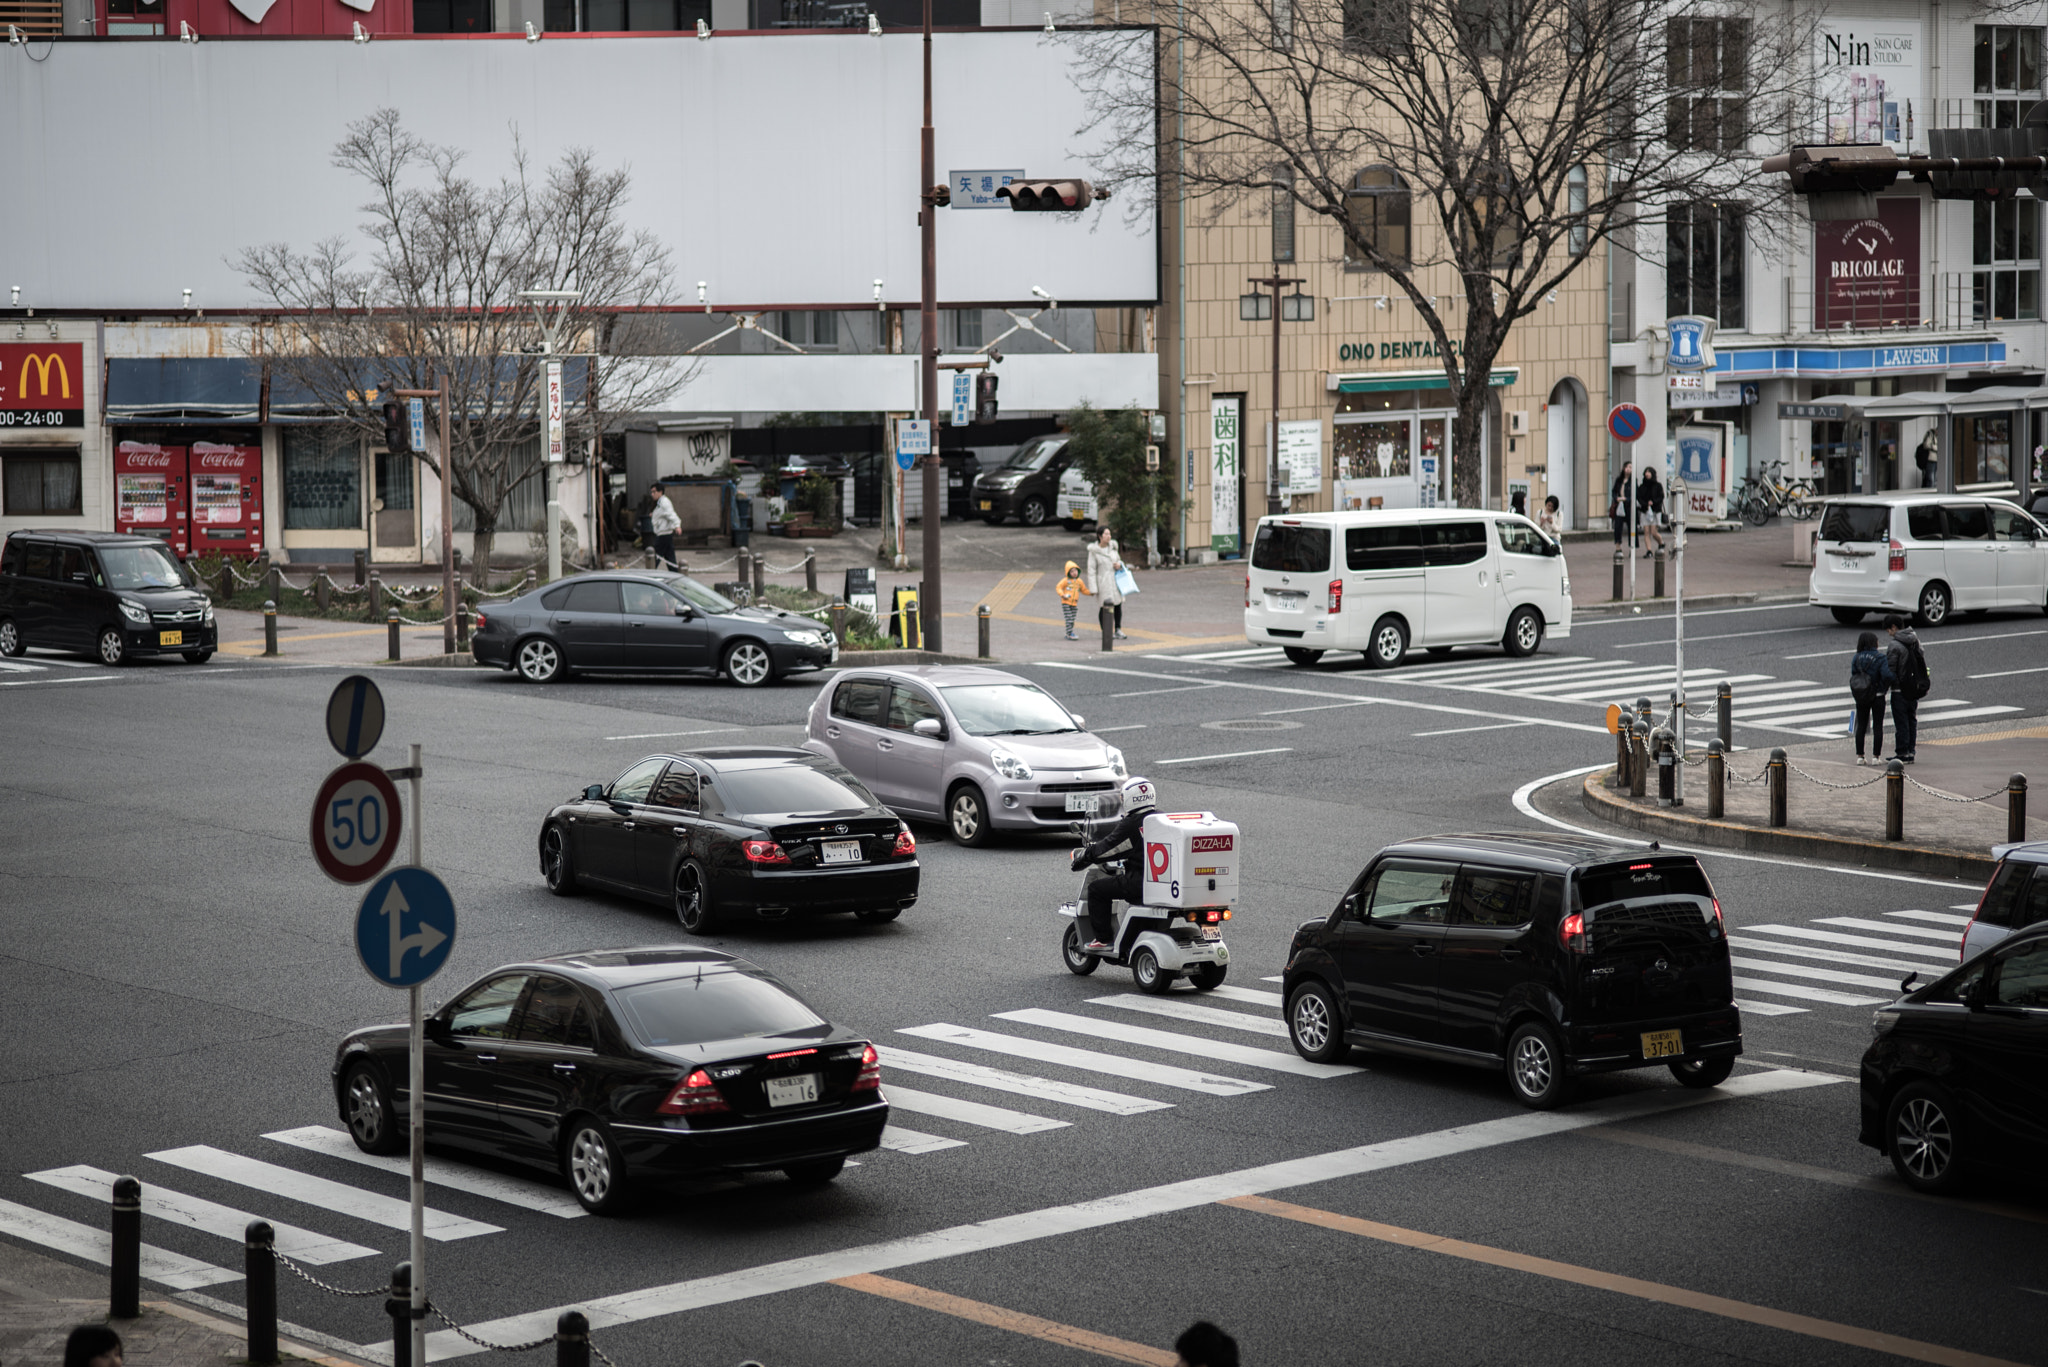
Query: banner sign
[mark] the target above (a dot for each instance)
(554, 411)
(1869, 75)
(1866, 273)
(1301, 457)
(42, 384)
(1226, 463)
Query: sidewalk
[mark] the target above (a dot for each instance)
(1725, 567)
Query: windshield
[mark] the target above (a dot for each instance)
(1856, 522)
(698, 596)
(140, 567)
(718, 1005)
(1017, 709)
(789, 789)
(1291, 550)
(1033, 454)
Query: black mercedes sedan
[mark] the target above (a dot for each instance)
(646, 623)
(625, 1065)
(760, 831)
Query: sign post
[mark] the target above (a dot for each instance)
(1691, 355)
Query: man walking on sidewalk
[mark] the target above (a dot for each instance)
(1907, 665)
(664, 524)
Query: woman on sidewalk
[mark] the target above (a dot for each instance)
(1618, 502)
(1650, 509)
(1870, 679)
(1104, 560)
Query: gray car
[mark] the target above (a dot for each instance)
(977, 748)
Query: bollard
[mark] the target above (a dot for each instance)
(1667, 770)
(1657, 574)
(1643, 710)
(1621, 756)
(652, 561)
(276, 577)
(981, 621)
(227, 582)
(125, 1302)
(375, 597)
(461, 617)
(1107, 616)
(532, 580)
(391, 624)
(1774, 772)
(572, 1339)
(810, 571)
(362, 564)
(1724, 715)
(1620, 573)
(398, 1305)
(1638, 758)
(839, 611)
(2016, 808)
(760, 585)
(323, 591)
(746, 571)
(269, 627)
(259, 1272)
(1717, 780)
(1894, 800)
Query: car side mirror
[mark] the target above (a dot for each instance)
(685, 610)
(594, 793)
(437, 1029)
(927, 726)
(1973, 995)
(1079, 720)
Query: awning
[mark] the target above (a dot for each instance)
(212, 390)
(1999, 398)
(1384, 381)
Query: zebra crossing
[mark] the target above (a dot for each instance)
(1855, 961)
(1802, 706)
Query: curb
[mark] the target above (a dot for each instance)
(1602, 803)
(856, 659)
(459, 660)
(1704, 600)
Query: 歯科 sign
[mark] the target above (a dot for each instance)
(1226, 463)
(42, 384)
(1866, 273)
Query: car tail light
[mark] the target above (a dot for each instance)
(1963, 949)
(906, 843)
(1571, 933)
(1896, 563)
(694, 1095)
(870, 1079)
(1720, 926)
(1336, 596)
(1247, 588)
(482, 621)
(764, 852)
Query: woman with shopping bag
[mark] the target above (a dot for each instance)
(1109, 580)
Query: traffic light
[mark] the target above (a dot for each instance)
(1840, 183)
(984, 398)
(1050, 196)
(397, 437)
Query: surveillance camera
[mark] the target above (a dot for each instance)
(1040, 292)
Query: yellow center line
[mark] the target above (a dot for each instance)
(1849, 1334)
(1015, 1321)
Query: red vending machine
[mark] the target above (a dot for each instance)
(150, 493)
(227, 499)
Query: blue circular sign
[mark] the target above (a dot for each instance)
(904, 460)
(405, 927)
(1626, 422)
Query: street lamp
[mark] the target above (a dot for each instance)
(1294, 308)
(553, 326)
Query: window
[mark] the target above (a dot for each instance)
(1383, 548)
(813, 328)
(2008, 63)
(486, 1010)
(598, 596)
(860, 700)
(625, 16)
(677, 789)
(1519, 538)
(714, 1006)
(1575, 205)
(2010, 524)
(1703, 271)
(38, 561)
(908, 707)
(1706, 63)
(556, 1014)
(2023, 977)
(41, 482)
(815, 791)
(451, 16)
(1377, 26)
(1411, 892)
(1379, 205)
(1856, 522)
(1983, 456)
(1283, 214)
(323, 479)
(636, 782)
(1453, 543)
(1968, 522)
(2003, 896)
(129, 17)
(1490, 898)
(1291, 550)
(1489, 25)
(2005, 248)
(647, 600)
(1492, 224)
(1923, 522)
(967, 329)
(1283, 26)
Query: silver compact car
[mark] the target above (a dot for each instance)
(976, 748)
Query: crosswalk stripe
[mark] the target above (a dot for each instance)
(1963, 906)
(898, 1059)
(900, 1140)
(1999, 710)
(1088, 1060)
(97, 1246)
(1825, 975)
(1769, 1008)
(1246, 994)
(1190, 1011)
(1940, 918)
(1605, 692)
(1810, 994)
(970, 1112)
(1948, 937)
(1245, 1055)
(1832, 956)
(1514, 676)
(1833, 937)
(175, 1207)
(19, 667)
(1448, 673)
(513, 1191)
(306, 1189)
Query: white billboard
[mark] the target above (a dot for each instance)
(1869, 79)
(780, 169)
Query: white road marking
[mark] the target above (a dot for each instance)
(2008, 673)
(76, 678)
(1007, 1231)
(1248, 994)
(96, 1245)
(1319, 707)
(1725, 636)
(1462, 730)
(1811, 994)
(1105, 730)
(306, 1245)
(1234, 754)
(894, 1137)
(1864, 941)
(1242, 1054)
(1190, 1011)
(1940, 918)
(20, 667)
(664, 735)
(1148, 692)
(969, 1112)
(513, 1191)
(1832, 956)
(901, 1060)
(1947, 937)
(318, 1191)
(1768, 1008)
(1825, 975)
(1087, 1060)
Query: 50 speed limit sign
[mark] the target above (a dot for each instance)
(356, 823)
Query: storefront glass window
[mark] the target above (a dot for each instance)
(40, 482)
(1984, 448)
(1371, 450)
(323, 479)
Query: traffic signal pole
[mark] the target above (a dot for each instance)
(931, 602)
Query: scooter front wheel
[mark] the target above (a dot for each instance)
(1071, 954)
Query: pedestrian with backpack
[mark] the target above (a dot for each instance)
(1869, 681)
(1911, 682)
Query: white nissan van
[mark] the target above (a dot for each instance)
(1380, 582)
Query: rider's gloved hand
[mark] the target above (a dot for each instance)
(1079, 856)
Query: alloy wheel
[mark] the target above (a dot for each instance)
(748, 664)
(10, 638)
(1934, 605)
(539, 662)
(112, 648)
(1311, 1022)
(965, 817)
(590, 1167)
(1533, 1065)
(365, 1110)
(690, 910)
(1528, 633)
(1925, 1141)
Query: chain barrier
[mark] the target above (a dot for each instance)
(442, 1316)
(1950, 797)
(1760, 774)
(331, 1290)
(1838, 787)
(784, 569)
(442, 620)
(600, 1354)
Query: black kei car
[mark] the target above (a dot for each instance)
(1956, 1076)
(757, 831)
(646, 623)
(624, 1065)
(1547, 956)
(1026, 486)
(110, 595)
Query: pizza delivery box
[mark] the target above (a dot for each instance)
(1191, 860)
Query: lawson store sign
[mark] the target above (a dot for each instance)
(1859, 360)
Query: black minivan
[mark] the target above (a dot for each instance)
(1544, 955)
(106, 594)
(1026, 486)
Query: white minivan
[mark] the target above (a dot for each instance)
(1926, 555)
(1379, 582)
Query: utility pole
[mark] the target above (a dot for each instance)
(554, 348)
(931, 600)
(447, 513)
(1298, 307)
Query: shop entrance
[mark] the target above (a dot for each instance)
(394, 508)
(1392, 459)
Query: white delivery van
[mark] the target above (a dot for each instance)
(1075, 505)
(1380, 582)
(1926, 555)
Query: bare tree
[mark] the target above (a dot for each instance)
(440, 295)
(1472, 152)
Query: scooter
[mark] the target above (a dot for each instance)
(1157, 943)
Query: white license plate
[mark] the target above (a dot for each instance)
(800, 1090)
(842, 851)
(170, 638)
(1286, 602)
(1085, 802)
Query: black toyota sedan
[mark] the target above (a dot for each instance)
(735, 831)
(646, 623)
(625, 1065)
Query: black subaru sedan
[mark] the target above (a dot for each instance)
(646, 623)
(625, 1065)
(755, 831)
(1544, 956)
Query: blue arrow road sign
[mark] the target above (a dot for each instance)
(405, 927)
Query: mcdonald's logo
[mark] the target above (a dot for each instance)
(42, 385)
(43, 362)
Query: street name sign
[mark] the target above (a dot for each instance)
(1626, 422)
(963, 398)
(416, 415)
(355, 716)
(356, 823)
(977, 189)
(405, 927)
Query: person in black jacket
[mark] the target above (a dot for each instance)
(1125, 843)
(1650, 510)
(1617, 503)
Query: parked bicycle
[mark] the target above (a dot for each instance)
(1761, 499)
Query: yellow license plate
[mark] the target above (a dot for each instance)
(986, 505)
(1662, 1044)
(170, 638)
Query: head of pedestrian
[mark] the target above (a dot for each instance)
(1202, 1344)
(1867, 641)
(92, 1345)
(1649, 474)
(1893, 622)
(1139, 795)
(657, 489)
(1102, 537)
(1551, 503)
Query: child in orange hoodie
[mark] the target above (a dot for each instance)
(1070, 589)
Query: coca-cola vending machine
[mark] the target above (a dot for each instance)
(227, 499)
(150, 494)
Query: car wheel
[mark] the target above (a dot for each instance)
(1848, 617)
(693, 901)
(1934, 604)
(1389, 643)
(1070, 952)
(1524, 633)
(967, 816)
(1313, 1025)
(875, 916)
(10, 637)
(371, 1122)
(1301, 655)
(1703, 1073)
(1032, 513)
(1536, 1066)
(112, 649)
(592, 1165)
(198, 657)
(1922, 1136)
(1207, 976)
(747, 664)
(555, 864)
(815, 1173)
(538, 660)
(1148, 975)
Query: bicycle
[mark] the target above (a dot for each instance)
(1762, 498)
